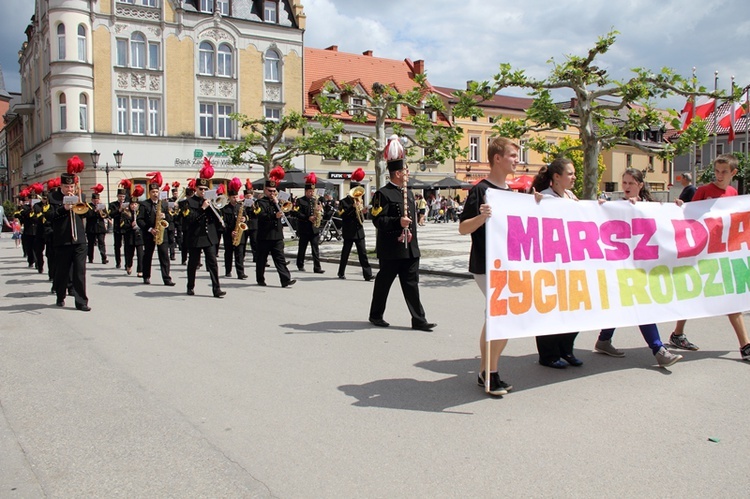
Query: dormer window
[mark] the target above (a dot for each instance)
(271, 11)
(356, 106)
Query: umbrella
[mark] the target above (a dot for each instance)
(447, 183)
(521, 183)
(414, 183)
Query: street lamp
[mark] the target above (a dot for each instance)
(118, 159)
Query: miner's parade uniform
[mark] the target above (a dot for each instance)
(115, 213)
(41, 217)
(131, 234)
(149, 222)
(309, 215)
(270, 236)
(352, 229)
(201, 231)
(233, 255)
(96, 229)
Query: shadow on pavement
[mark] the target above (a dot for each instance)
(335, 327)
(33, 294)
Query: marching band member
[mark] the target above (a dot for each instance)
(131, 233)
(96, 226)
(175, 228)
(39, 214)
(352, 230)
(252, 222)
(153, 214)
(309, 215)
(270, 232)
(115, 213)
(234, 215)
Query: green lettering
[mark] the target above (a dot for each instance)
(741, 272)
(660, 284)
(632, 284)
(710, 269)
(687, 282)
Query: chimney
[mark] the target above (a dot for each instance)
(573, 102)
(333, 48)
(468, 84)
(368, 53)
(419, 67)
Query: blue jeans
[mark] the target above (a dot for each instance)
(649, 331)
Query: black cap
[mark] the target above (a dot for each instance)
(395, 165)
(67, 179)
(121, 191)
(271, 183)
(201, 182)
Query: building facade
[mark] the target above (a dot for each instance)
(156, 80)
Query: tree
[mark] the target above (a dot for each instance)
(742, 177)
(606, 112)
(270, 143)
(568, 147)
(428, 143)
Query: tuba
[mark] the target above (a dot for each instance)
(239, 227)
(160, 225)
(357, 194)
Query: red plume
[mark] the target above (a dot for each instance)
(137, 192)
(98, 188)
(311, 179)
(207, 171)
(24, 193)
(126, 184)
(235, 184)
(175, 184)
(75, 165)
(38, 187)
(191, 184)
(220, 190)
(50, 184)
(357, 175)
(155, 178)
(248, 185)
(166, 187)
(276, 174)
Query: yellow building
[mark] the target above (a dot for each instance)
(155, 80)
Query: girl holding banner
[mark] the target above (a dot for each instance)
(556, 180)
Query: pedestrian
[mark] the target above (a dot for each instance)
(394, 216)
(503, 157)
(688, 189)
(635, 189)
(153, 221)
(725, 168)
(309, 213)
(351, 210)
(15, 226)
(556, 181)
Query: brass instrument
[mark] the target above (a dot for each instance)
(239, 227)
(216, 203)
(78, 208)
(160, 225)
(357, 194)
(317, 212)
(285, 208)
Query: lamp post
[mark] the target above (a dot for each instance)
(118, 159)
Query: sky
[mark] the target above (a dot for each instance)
(468, 39)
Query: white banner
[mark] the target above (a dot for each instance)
(562, 266)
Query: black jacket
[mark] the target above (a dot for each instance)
(387, 210)
(269, 227)
(304, 208)
(200, 227)
(147, 218)
(351, 227)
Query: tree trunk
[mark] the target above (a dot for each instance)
(591, 149)
(380, 164)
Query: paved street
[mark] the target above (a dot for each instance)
(291, 393)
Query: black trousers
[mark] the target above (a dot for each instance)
(276, 250)
(118, 248)
(69, 258)
(39, 253)
(361, 253)
(96, 240)
(407, 271)
(252, 236)
(233, 255)
(131, 249)
(27, 244)
(162, 252)
(51, 261)
(194, 259)
(553, 346)
(304, 239)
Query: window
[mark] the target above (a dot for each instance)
(82, 43)
(719, 150)
(273, 113)
(63, 112)
(205, 59)
(61, 42)
(153, 55)
(122, 52)
(628, 160)
(272, 66)
(270, 11)
(664, 166)
(83, 112)
(523, 154)
(214, 120)
(137, 51)
(149, 3)
(224, 122)
(207, 6)
(474, 149)
(357, 105)
(223, 7)
(206, 117)
(224, 60)
(138, 116)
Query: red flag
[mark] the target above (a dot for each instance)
(704, 107)
(686, 116)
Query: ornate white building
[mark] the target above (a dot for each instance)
(155, 80)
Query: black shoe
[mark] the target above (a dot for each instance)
(498, 387)
(228, 274)
(105, 262)
(572, 360)
(426, 326)
(190, 292)
(290, 283)
(219, 294)
(169, 283)
(60, 303)
(301, 269)
(342, 277)
(319, 271)
(378, 322)
(242, 277)
(558, 364)
(117, 266)
(70, 292)
(262, 283)
(90, 261)
(83, 308)
(369, 278)
(146, 281)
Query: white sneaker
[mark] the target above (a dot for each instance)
(665, 358)
(607, 348)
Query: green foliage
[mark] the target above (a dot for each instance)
(571, 148)
(605, 111)
(742, 177)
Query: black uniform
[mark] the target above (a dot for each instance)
(233, 255)
(96, 230)
(353, 233)
(115, 213)
(174, 230)
(252, 232)
(307, 232)
(146, 221)
(24, 215)
(70, 254)
(270, 240)
(40, 214)
(201, 229)
(180, 222)
(395, 257)
(132, 239)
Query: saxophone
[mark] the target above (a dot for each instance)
(160, 225)
(239, 227)
(317, 212)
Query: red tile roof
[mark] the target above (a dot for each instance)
(498, 101)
